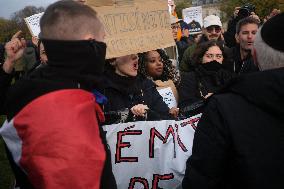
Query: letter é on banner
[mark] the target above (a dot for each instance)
(153, 133)
(120, 144)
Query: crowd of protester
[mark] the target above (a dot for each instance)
(220, 74)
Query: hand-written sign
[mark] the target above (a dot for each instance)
(33, 23)
(151, 154)
(193, 13)
(168, 97)
(135, 26)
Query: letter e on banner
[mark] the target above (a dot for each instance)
(157, 177)
(120, 144)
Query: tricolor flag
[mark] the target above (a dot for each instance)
(55, 140)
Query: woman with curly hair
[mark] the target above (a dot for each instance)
(164, 71)
(157, 66)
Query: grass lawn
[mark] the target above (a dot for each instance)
(6, 175)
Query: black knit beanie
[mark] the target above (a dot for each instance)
(272, 32)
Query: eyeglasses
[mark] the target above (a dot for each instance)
(175, 26)
(212, 56)
(211, 28)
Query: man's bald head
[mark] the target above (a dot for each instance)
(69, 20)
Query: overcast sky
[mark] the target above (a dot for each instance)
(7, 7)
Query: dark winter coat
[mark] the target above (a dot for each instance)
(5, 82)
(62, 73)
(239, 141)
(182, 45)
(237, 65)
(125, 92)
(195, 85)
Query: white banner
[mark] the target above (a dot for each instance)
(151, 154)
(33, 23)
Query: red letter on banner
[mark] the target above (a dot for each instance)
(153, 133)
(120, 144)
(157, 177)
(180, 143)
(138, 179)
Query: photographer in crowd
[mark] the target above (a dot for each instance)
(247, 10)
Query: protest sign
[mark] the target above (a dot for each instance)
(168, 97)
(151, 154)
(134, 26)
(193, 16)
(98, 3)
(33, 23)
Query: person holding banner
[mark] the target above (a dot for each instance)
(52, 129)
(157, 66)
(127, 91)
(239, 142)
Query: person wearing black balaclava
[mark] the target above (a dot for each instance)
(52, 131)
(209, 75)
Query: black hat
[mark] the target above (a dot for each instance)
(272, 32)
(194, 27)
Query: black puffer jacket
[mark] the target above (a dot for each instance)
(125, 92)
(240, 137)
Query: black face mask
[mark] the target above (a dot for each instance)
(83, 56)
(212, 66)
(100, 54)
